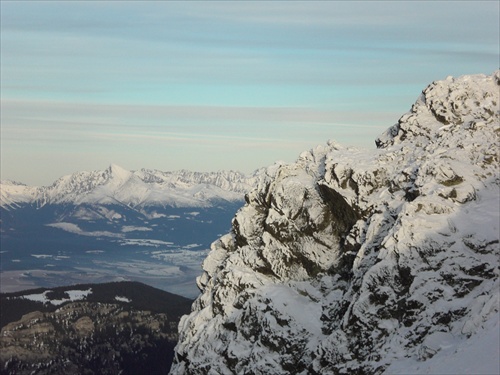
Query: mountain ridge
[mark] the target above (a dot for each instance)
(144, 225)
(351, 262)
(133, 188)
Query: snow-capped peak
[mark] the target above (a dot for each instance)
(118, 173)
(144, 187)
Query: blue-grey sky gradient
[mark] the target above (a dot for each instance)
(219, 85)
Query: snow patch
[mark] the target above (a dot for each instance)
(122, 299)
(74, 295)
(477, 354)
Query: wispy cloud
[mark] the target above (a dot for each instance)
(45, 112)
(185, 81)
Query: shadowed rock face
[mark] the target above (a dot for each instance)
(346, 261)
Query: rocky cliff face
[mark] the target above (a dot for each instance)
(348, 261)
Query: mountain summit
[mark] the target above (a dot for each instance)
(350, 262)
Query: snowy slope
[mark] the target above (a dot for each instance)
(135, 189)
(477, 354)
(351, 262)
(12, 194)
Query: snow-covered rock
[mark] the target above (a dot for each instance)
(359, 262)
(116, 185)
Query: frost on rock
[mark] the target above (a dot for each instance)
(349, 261)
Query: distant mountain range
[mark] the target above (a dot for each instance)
(150, 226)
(136, 189)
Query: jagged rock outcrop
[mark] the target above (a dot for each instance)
(347, 261)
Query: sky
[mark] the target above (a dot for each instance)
(208, 85)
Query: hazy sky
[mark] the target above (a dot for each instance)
(219, 85)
